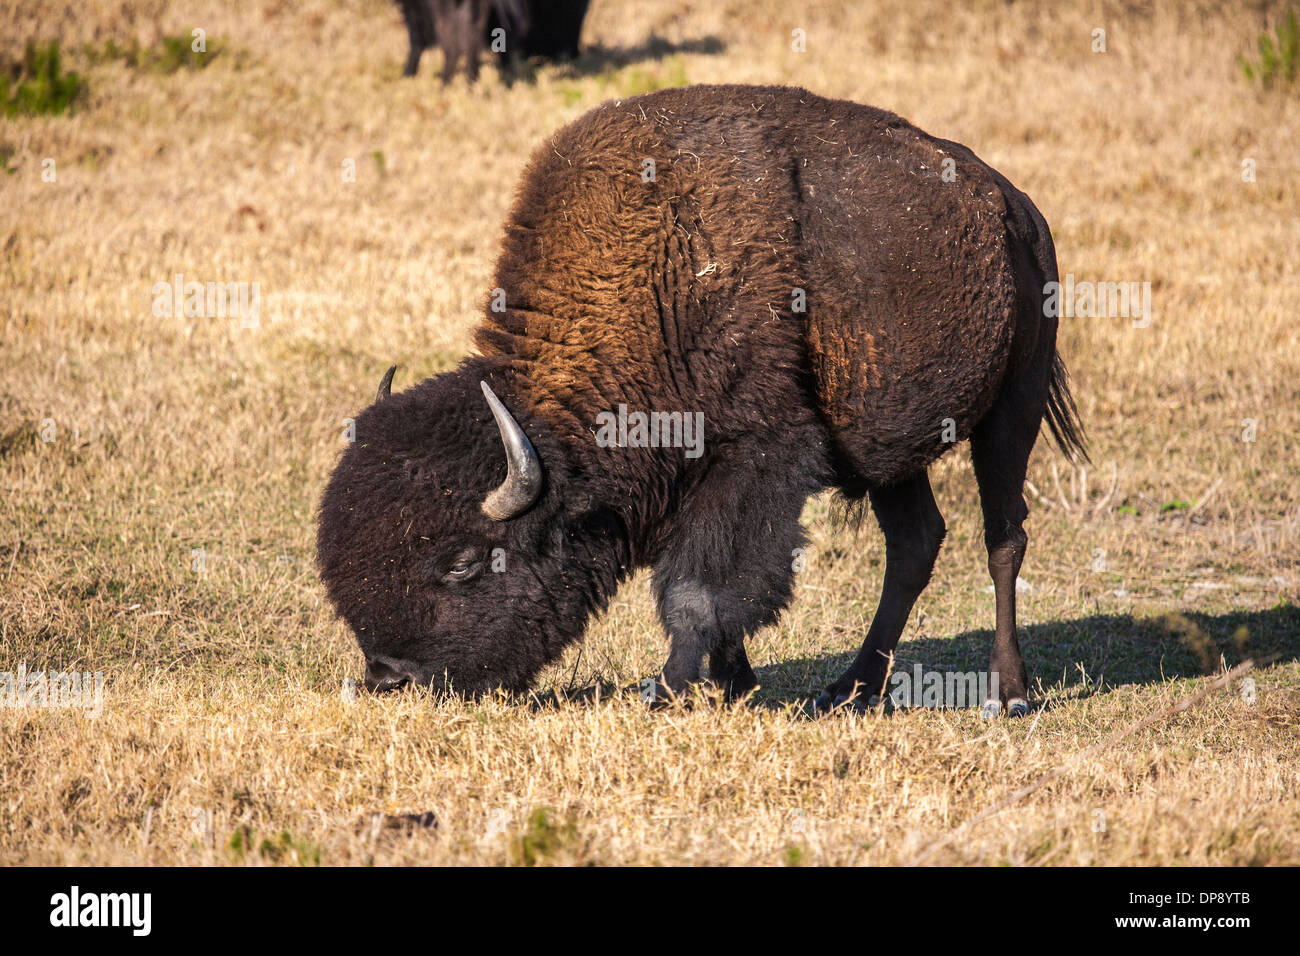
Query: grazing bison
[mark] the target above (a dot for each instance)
(464, 28)
(825, 295)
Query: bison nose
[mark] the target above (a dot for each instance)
(382, 677)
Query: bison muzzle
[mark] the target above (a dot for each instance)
(834, 296)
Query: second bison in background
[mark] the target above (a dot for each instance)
(463, 29)
(712, 302)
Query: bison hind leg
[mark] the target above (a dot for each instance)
(1000, 448)
(914, 530)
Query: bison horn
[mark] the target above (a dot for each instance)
(524, 469)
(385, 385)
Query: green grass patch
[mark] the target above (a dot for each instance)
(170, 54)
(284, 848)
(1279, 55)
(543, 839)
(634, 81)
(38, 86)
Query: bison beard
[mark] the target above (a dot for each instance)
(799, 271)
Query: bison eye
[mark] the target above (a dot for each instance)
(464, 567)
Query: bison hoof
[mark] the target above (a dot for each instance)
(1016, 707)
(825, 702)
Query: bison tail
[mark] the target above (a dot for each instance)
(1063, 416)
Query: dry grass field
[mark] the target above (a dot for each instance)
(159, 475)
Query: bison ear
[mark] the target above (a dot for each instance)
(523, 468)
(385, 385)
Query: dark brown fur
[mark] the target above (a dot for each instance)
(924, 309)
(465, 28)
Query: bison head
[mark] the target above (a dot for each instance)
(446, 544)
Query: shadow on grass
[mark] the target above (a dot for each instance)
(596, 60)
(1083, 656)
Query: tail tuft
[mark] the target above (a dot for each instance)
(1063, 416)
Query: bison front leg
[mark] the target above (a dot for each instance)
(727, 571)
(729, 668)
(700, 620)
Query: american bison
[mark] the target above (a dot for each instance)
(464, 28)
(836, 297)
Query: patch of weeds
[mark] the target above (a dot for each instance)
(635, 81)
(1279, 55)
(239, 842)
(38, 86)
(18, 440)
(542, 839)
(284, 848)
(170, 54)
(1176, 505)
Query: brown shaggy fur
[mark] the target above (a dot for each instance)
(667, 293)
(924, 313)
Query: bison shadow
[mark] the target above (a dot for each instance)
(1073, 658)
(598, 59)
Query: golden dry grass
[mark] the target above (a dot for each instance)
(223, 719)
